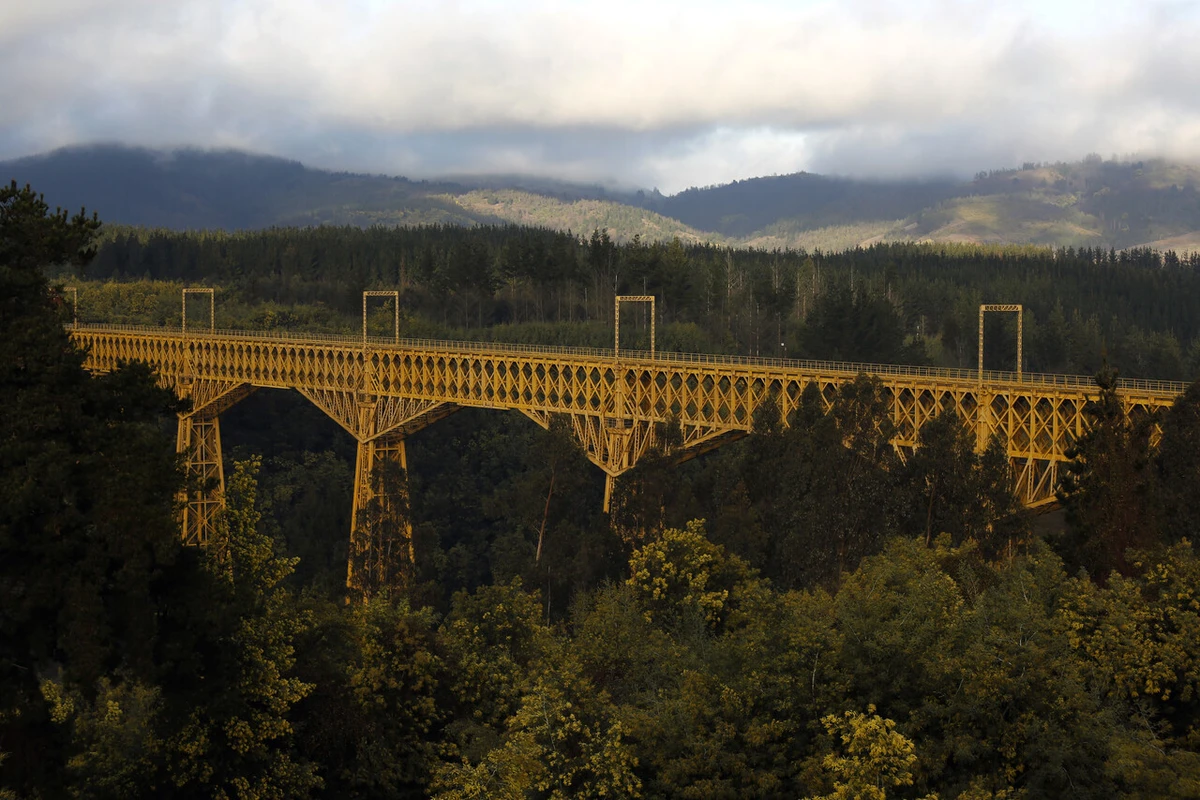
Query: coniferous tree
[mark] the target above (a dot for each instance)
(236, 738)
(88, 543)
(1108, 487)
(1177, 468)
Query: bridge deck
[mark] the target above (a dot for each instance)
(1007, 379)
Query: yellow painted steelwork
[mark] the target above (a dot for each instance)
(382, 390)
(630, 298)
(212, 306)
(1020, 330)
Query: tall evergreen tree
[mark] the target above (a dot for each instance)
(236, 738)
(1177, 468)
(1108, 487)
(88, 540)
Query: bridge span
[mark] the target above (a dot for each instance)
(381, 390)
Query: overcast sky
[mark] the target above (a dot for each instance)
(653, 94)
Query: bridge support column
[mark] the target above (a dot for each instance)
(381, 527)
(984, 423)
(199, 440)
(380, 531)
(204, 495)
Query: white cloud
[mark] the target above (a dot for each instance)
(726, 155)
(671, 93)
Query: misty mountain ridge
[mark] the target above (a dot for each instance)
(1092, 202)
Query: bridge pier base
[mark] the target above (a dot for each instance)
(204, 493)
(380, 527)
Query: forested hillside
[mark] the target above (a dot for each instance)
(1090, 203)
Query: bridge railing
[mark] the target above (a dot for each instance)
(645, 358)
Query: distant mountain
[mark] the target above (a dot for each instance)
(744, 208)
(223, 189)
(1091, 202)
(1118, 204)
(195, 189)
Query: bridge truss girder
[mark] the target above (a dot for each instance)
(1036, 430)
(383, 392)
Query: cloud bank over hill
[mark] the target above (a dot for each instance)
(667, 94)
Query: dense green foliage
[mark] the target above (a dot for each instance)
(128, 665)
(81, 460)
(795, 615)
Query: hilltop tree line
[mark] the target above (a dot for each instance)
(840, 625)
(1139, 310)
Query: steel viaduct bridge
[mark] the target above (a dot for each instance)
(382, 390)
